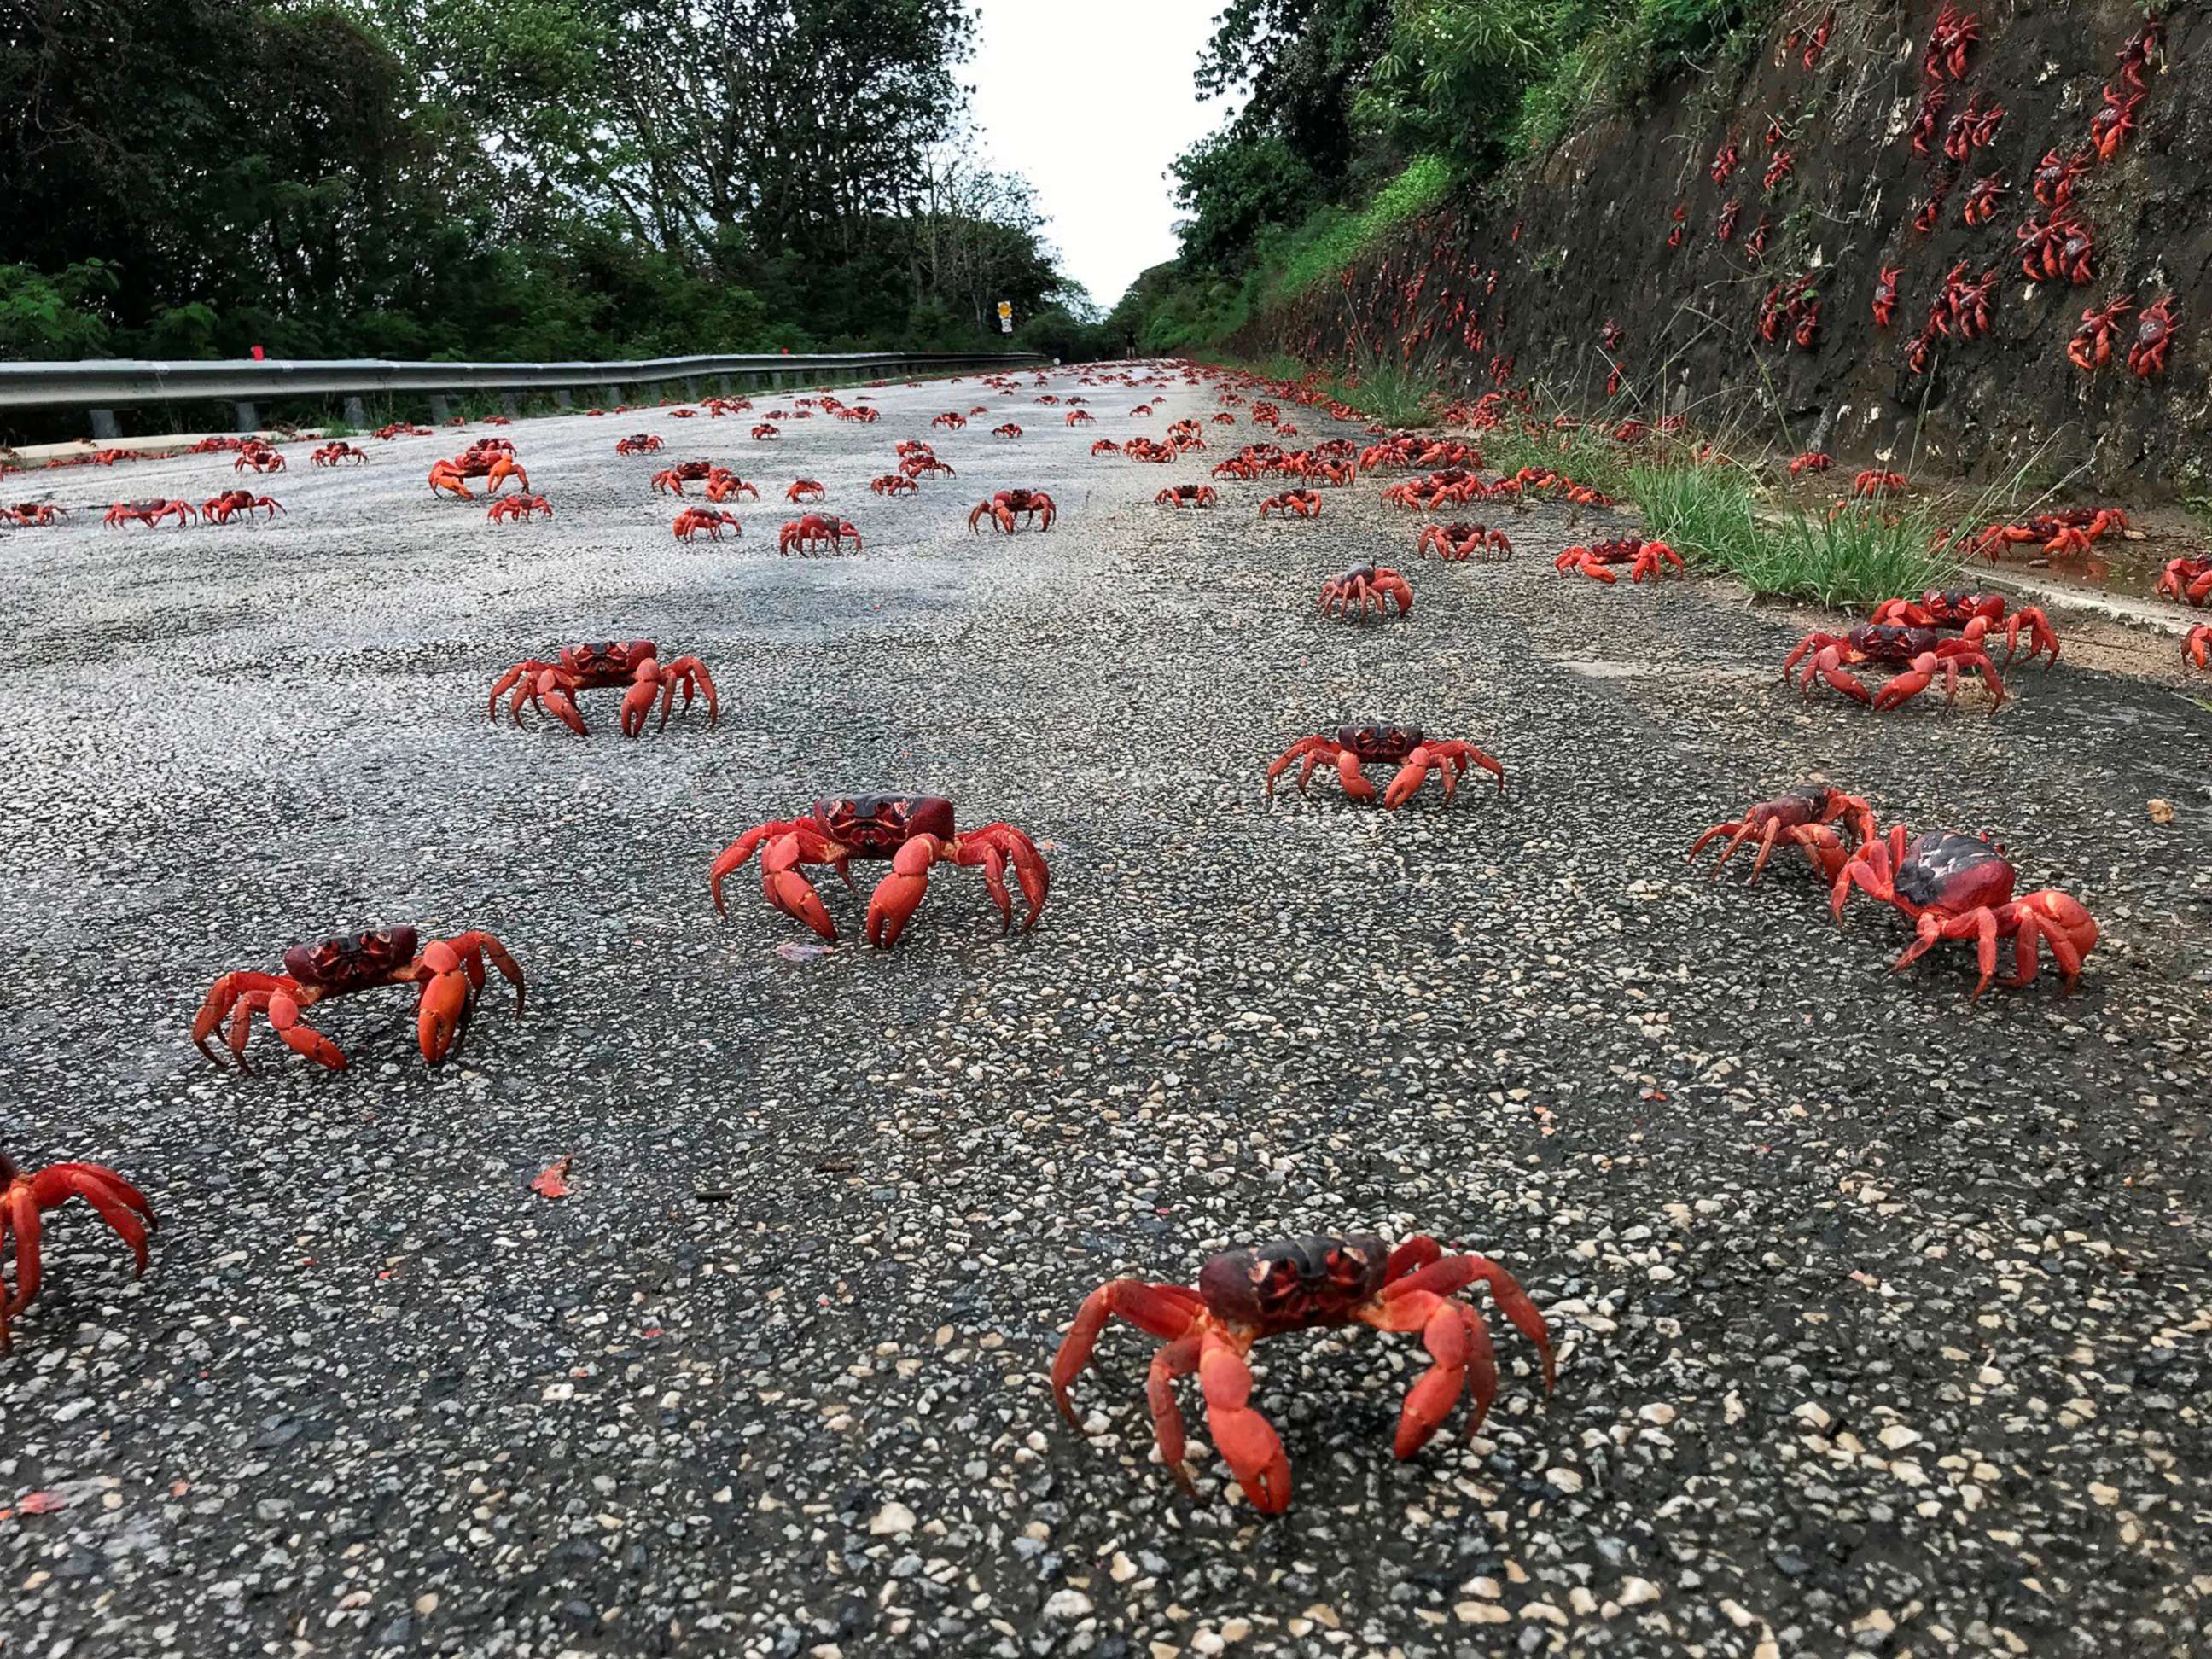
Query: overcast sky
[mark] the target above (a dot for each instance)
(1091, 99)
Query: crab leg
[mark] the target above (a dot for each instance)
(1453, 1274)
(222, 996)
(1170, 1312)
(994, 846)
(284, 1020)
(1247, 1441)
(1458, 1343)
(1178, 1358)
(1313, 750)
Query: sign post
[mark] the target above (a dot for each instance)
(1005, 316)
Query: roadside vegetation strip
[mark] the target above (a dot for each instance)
(1712, 516)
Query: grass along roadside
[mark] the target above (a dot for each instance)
(1712, 516)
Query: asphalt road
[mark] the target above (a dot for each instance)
(1883, 1315)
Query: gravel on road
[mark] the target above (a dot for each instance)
(1882, 1314)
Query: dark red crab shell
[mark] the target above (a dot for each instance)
(608, 660)
(351, 960)
(1294, 1285)
(1379, 742)
(1892, 641)
(1944, 869)
(877, 826)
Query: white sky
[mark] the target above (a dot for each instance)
(1090, 100)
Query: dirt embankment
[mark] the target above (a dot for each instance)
(1828, 191)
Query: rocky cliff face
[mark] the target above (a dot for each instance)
(1768, 198)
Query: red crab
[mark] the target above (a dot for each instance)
(1873, 482)
(27, 1194)
(914, 831)
(765, 432)
(1783, 165)
(722, 484)
(1244, 1296)
(1081, 418)
(925, 465)
(805, 489)
(893, 483)
(1949, 42)
(1401, 747)
(1009, 430)
(258, 457)
(519, 507)
(2186, 581)
(2153, 340)
(1804, 817)
(1724, 161)
(1643, 559)
(951, 420)
(1678, 220)
(671, 480)
(1975, 616)
(2071, 532)
(2109, 127)
(1973, 128)
(1306, 503)
(335, 453)
(2142, 46)
(552, 686)
(2055, 176)
(448, 973)
(147, 513)
(494, 466)
(28, 515)
(694, 521)
(810, 533)
(1188, 494)
(1885, 295)
(1350, 594)
(1920, 654)
(2059, 247)
(2091, 348)
(228, 504)
(1724, 226)
(1813, 461)
(1105, 446)
(1953, 886)
(1982, 200)
(1008, 504)
(638, 443)
(1459, 541)
(2197, 647)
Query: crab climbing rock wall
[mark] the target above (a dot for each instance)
(1732, 238)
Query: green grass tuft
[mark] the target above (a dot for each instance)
(1332, 239)
(1710, 515)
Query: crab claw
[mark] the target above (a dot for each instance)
(898, 894)
(1246, 1440)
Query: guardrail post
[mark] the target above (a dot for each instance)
(690, 390)
(609, 395)
(356, 413)
(248, 420)
(440, 409)
(561, 398)
(104, 429)
(506, 405)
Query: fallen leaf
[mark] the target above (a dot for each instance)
(42, 1503)
(552, 1181)
(791, 950)
(2161, 812)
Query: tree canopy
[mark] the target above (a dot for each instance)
(523, 179)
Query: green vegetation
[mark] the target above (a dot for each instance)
(1360, 115)
(476, 179)
(1710, 514)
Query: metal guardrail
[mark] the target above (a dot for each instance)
(104, 385)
